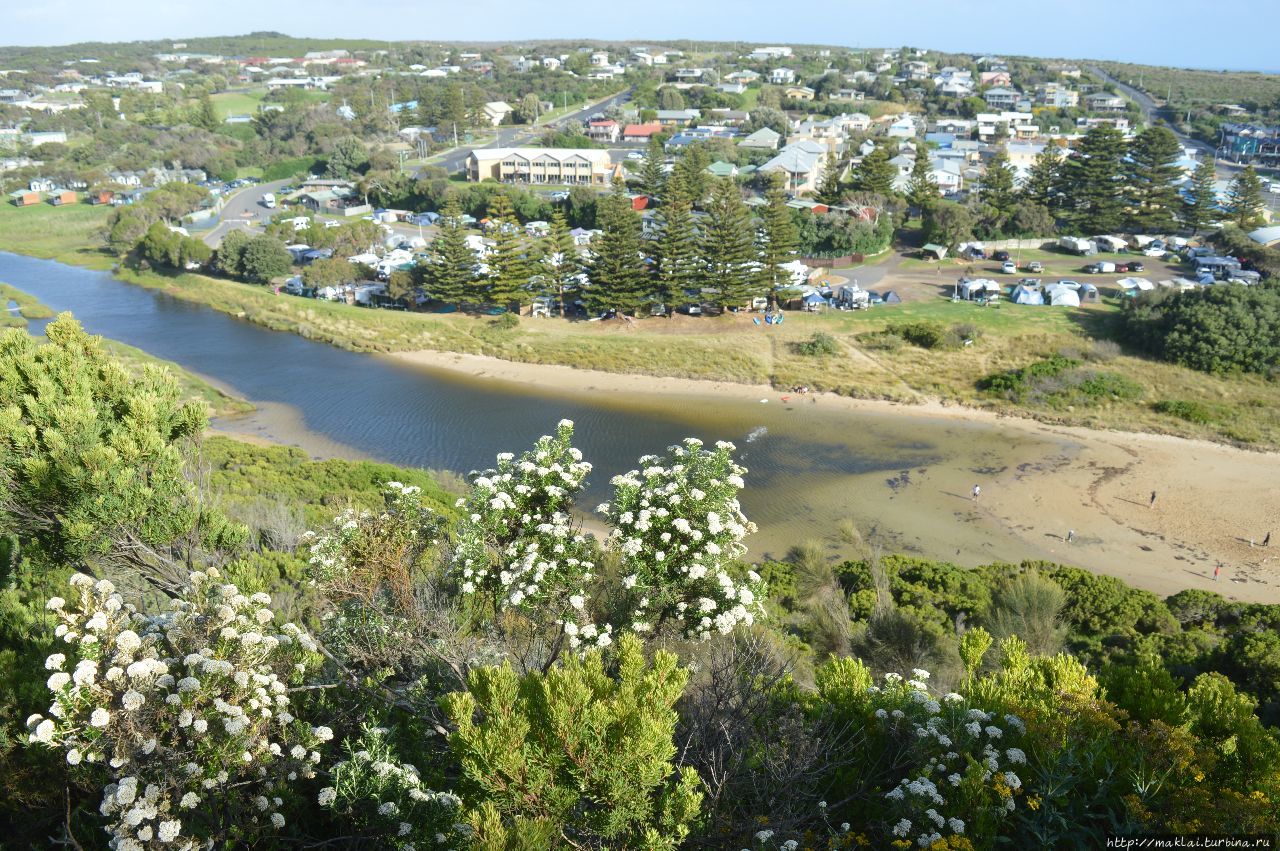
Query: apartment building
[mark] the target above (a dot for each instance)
(541, 166)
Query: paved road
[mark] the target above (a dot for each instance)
(242, 211)
(1151, 111)
(511, 137)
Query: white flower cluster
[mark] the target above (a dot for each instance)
(962, 762)
(386, 799)
(517, 545)
(186, 709)
(679, 528)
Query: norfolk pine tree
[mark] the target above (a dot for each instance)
(875, 173)
(509, 268)
(652, 176)
(922, 189)
(619, 279)
(1043, 185)
(693, 171)
(560, 259)
(1201, 207)
(729, 247)
(1094, 180)
(829, 191)
(1244, 198)
(678, 252)
(450, 276)
(997, 185)
(778, 236)
(1152, 170)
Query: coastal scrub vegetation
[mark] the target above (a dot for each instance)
(387, 664)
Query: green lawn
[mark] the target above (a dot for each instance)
(238, 103)
(69, 233)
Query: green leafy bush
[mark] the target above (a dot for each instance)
(820, 344)
(1192, 412)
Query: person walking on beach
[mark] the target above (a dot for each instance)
(1217, 571)
(1071, 535)
(1152, 503)
(977, 492)
(1266, 542)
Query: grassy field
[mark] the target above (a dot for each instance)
(238, 103)
(27, 307)
(69, 233)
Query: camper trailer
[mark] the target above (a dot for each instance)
(1077, 245)
(852, 297)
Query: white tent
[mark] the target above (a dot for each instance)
(1062, 297)
(978, 288)
(1023, 294)
(1135, 284)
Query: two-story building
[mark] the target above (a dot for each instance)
(560, 166)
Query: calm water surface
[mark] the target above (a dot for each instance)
(810, 467)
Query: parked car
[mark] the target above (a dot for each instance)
(1100, 268)
(1009, 268)
(1131, 266)
(973, 253)
(1000, 255)
(1035, 267)
(1154, 252)
(635, 155)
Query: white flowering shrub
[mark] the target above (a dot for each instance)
(187, 711)
(954, 767)
(385, 800)
(679, 530)
(517, 545)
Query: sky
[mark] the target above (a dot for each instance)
(1231, 34)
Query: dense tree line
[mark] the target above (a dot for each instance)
(1212, 329)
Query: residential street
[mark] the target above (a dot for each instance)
(243, 209)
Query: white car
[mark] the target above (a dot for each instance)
(1009, 268)
(1154, 252)
(635, 155)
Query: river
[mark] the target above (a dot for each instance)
(902, 479)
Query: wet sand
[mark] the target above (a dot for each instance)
(1211, 499)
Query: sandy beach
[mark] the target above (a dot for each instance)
(1211, 500)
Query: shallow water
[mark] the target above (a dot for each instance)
(904, 480)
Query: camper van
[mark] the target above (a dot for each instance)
(1077, 245)
(269, 201)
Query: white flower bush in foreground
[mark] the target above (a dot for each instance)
(965, 761)
(386, 799)
(517, 545)
(187, 712)
(679, 529)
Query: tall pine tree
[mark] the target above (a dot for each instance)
(450, 275)
(693, 172)
(830, 190)
(997, 185)
(678, 254)
(875, 173)
(617, 271)
(1201, 205)
(779, 238)
(1043, 185)
(922, 189)
(1153, 202)
(1244, 198)
(1094, 182)
(653, 178)
(561, 264)
(509, 268)
(729, 247)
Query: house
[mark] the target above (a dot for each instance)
(1002, 98)
(732, 88)
(1084, 125)
(1056, 95)
(764, 54)
(799, 93)
(720, 168)
(746, 77)
(720, 117)
(1104, 102)
(764, 139)
(62, 196)
(45, 137)
(497, 111)
(903, 128)
(994, 78)
(541, 166)
(670, 118)
(782, 76)
(1251, 143)
(641, 132)
(691, 75)
(24, 198)
(101, 196)
(847, 95)
(603, 130)
(599, 59)
(801, 164)
(1266, 237)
